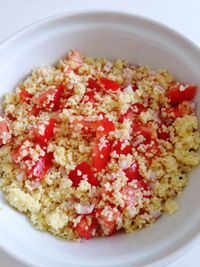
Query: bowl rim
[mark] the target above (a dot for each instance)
(194, 240)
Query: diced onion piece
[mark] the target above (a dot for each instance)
(84, 209)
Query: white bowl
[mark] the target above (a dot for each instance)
(112, 35)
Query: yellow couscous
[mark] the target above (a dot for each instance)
(90, 147)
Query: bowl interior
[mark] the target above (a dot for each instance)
(114, 36)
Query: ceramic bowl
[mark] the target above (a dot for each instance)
(113, 35)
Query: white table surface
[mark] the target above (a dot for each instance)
(182, 15)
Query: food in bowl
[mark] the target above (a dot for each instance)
(90, 147)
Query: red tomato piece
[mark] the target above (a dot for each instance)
(104, 127)
(135, 87)
(101, 155)
(138, 108)
(10, 117)
(21, 154)
(109, 84)
(49, 99)
(90, 96)
(35, 110)
(81, 170)
(100, 128)
(163, 135)
(42, 139)
(179, 92)
(86, 226)
(25, 96)
(5, 135)
(183, 109)
(41, 167)
(144, 129)
(88, 127)
(144, 185)
(129, 115)
(132, 172)
(94, 85)
(108, 219)
(17, 155)
(119, 148)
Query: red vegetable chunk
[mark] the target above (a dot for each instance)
(93, 84)
(121, 148)
(25, 96)
(81, 170)
(86, 226)
(104, 127)
(108, 220)
(101, 155)
(34, 168)
(179, 93)
(49, 99)
(132, 172)
(41, 167)
(43, 138)
(109, 84)
(5, 135)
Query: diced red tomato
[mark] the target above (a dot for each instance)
(35, 110)
(10, 117)
(93, 84)
(129, 115)
(104, 127)
(42, 140)
(138, 108)
(183, 109)
(16, 154)
(88, 127)
(144, 129)
(135, 87)
(25, 96)
(109, 84)
(21, 154)
(180, 92)
(128, 194)
(144, 185)
(108, 220)
(119, 148)
(99, 127)
(41, 167)
(49, 99)
(86, 226)
(163, 135)
(132, 172)
(65, 92)
(89, 97)
(81, 170)
(5, 135)
(101, 155)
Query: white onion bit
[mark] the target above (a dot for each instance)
(128, 89)
(20, 176)
(84, 209)
(157, 214)
(123, 164)
(153, 175)
(159, 88)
